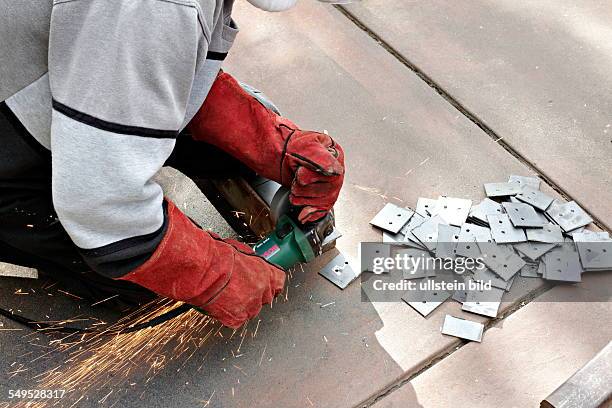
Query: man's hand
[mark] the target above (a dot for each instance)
(311, 164)
(223, 277)
(316, 164)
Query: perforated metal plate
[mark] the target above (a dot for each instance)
(549, 233)
(474, 302)
(426, 207)
(469, 235)
(502, 189)
(532, 182)
(339, 272)
(463, 329)
(427, 232)
(370, 250)
(460, 296)
(484, 208)
(595, 250)
(392, 218)
(426, 302)
(533, 250)
(503, 231)
(536, 198)
(569, 216)
(414, 222)
(530, 270)
(485, 275)
(420, 271)
(523, 215)
(562, 264)
(448, 236)
(453, 210)
(501, 259)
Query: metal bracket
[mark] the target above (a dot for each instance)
(562, 264)
(569, 216)
(428, 302)
(523, 215)
(533, 250)
(462, 328)
(474, 302)
(392, 218)
(486, 207)
(549, 234)
(453, 210)
(339, 272)
(532, 182)
(370, 250)
(427, 232)
(501, 259)
(595, 250)
(426, 207)
(448, 236)
(469, 235)
(502, 189)
(535, 198)
(503, 231)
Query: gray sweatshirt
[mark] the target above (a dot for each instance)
(107, 85)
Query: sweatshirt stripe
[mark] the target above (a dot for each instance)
(111, 126)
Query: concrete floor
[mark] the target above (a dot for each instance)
(402, 140)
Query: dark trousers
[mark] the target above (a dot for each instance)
(31, 235)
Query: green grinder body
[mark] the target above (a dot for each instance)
(286, 246)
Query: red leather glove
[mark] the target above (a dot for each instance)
(224, 278)
(311, 164)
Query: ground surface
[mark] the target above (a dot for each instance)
(427, 98)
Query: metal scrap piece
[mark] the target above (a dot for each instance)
(503, 231)
(569, 216)
(523, 215)
(426, 302)
(448, 236)
(501, 259)
(415, 270)
(484, 208)
(595, 250)
(462, 328)
(469, 235)
(460, 296)
(426, 207)
(534, 250)
(339, 272)
(414, 222)
(532, 182)
(392, 218)
(502, 189)
(485, 304)
(562, 264)
(485, 275)
(535, 197)
(370, 250)
(453, 210)
(10, 270)
(550, 233)
(530, 270)
(427, 232)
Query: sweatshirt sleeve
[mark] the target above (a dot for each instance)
(121, 72)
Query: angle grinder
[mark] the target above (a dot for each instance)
(291, 242)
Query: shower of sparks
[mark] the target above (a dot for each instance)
(106, 364)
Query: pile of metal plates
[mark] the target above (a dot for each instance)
(518, 230)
